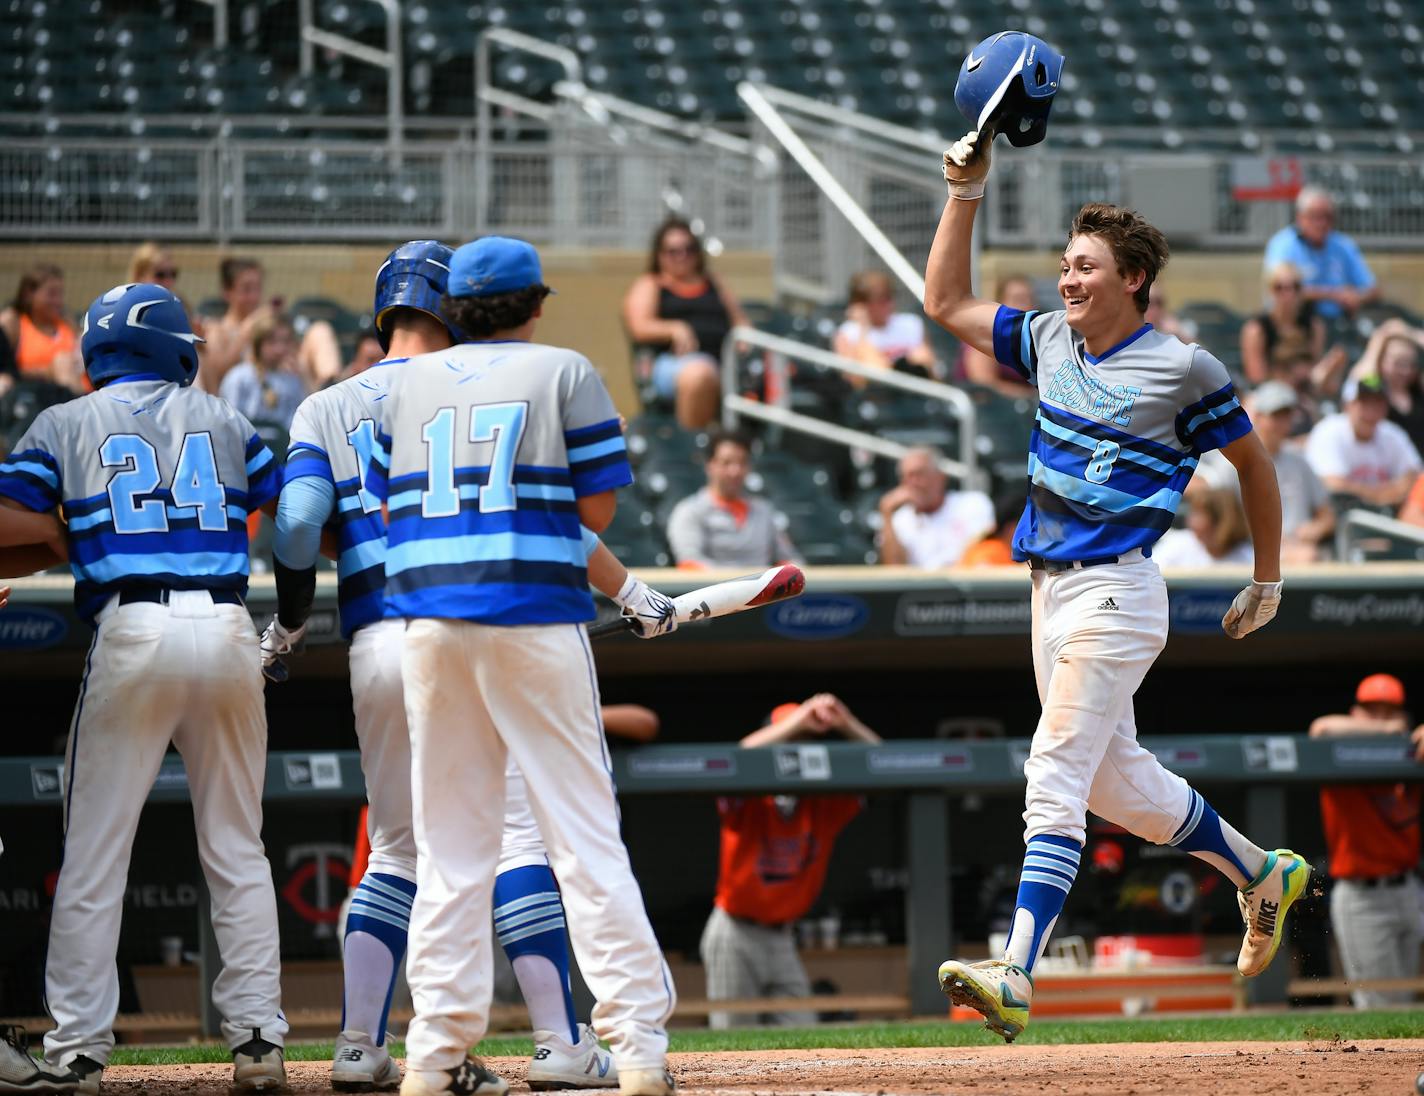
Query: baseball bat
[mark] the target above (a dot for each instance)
(736, 595)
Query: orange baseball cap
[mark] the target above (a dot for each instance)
(782, 711)
(1381, 689)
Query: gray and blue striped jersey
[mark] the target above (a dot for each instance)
(155, 482)
(1116, 437)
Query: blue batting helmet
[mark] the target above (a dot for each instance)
(1010, 79)
(138, 330)
(414, 275)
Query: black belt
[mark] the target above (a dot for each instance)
(1057, 566)
(159, 595)
(1397, 880)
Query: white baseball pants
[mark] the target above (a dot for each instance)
(476, 694)
(379, 705)
(1096, 633)
(187, 673)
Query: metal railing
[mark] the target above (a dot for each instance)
(1356, 526)
(964, 468)
(389, 58)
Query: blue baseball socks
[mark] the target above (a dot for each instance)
(529, 922)
(376, 929)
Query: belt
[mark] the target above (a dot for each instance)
(780, 926)
(159, 595)
(1057, 566)
(1396, 880)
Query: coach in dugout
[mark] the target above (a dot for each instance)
(774, 855)
(1334, 272)
(1372, 831)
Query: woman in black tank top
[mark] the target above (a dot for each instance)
(1274, 341)
(678, 315)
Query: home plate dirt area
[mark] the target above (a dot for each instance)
(1320, 1068)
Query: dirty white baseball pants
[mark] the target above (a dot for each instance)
(474, 694)
(187, 673)
(378, 702)
(1096, 633)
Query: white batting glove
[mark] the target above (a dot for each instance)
(1253, 608)
(276, 642)
(652, 613)
(966, 164)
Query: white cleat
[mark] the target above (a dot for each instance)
(258, 1065)
(557, 1064)
(22, 1072)
(996, 989)
(646, 1082)
(1264, 902)
(469, 1078)
(358, 1065)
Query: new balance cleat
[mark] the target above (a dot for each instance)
(258, 1065)
(995, 988)
(469, 1078)
(1264, 902)
(358, 1065)
(646, 1082)
(557, 1064)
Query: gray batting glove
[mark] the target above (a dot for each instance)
(652, 613)
(966, 164)
(1253, 608)
(276, 642)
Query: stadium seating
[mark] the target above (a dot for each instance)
(1235, 66)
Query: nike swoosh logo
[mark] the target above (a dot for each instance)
(973, 63)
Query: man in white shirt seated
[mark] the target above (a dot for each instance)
(1358, 452)
(923, 523)
(1307, 518)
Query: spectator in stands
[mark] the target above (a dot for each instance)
(368, 353)
(151, 263)
(772, 866)
(1163, 318)
(1216, 534)
(229, 338)
(877, 335)
(1392, 354)
(1307, 518)
(723, 526)
(45, 343)
(1358, 452)
(682, 313)
(8, 369)
(1335, 274)
(265, 389)
(1289, 335)
(996, 549)
(1372, 831)
(924, 524)
(1013, 291)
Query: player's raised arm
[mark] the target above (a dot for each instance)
(949, 293)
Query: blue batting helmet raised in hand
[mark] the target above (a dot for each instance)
(414, 275)
(138, 330)
(1009, 80)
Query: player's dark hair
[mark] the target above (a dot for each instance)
(1135, 244)
(33, 277)
(481, 317)
(229, 270)
(722, 436)
(675, 224)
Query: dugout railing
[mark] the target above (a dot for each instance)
(924, 774)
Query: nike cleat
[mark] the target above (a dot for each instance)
(996, 989)
(1264, 902)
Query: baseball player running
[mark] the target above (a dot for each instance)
(331, 440)
(156, 480)
(487, 484)
(1124, 414)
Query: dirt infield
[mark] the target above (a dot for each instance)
(1122, 1069)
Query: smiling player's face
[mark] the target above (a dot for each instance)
(1098, 298)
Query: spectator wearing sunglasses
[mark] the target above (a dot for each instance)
(1335, 275)
(1287, 333)
(152, 263)
(682, 313)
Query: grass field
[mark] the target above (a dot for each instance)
(1273, 1027)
